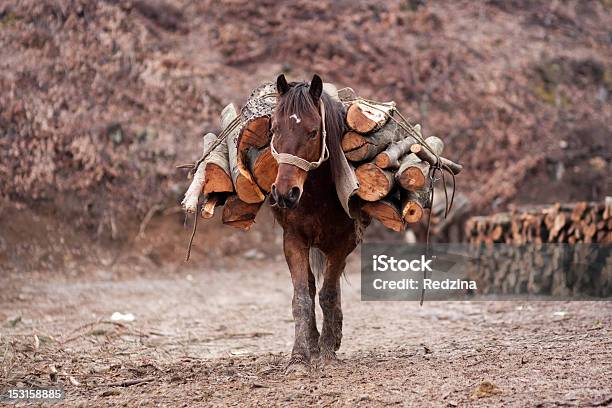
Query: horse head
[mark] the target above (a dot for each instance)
(298, 137)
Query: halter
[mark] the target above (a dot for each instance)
(305, 165)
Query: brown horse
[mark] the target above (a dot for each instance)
(306, 138)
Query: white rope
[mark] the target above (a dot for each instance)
(303, 164)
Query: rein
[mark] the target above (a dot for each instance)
(286, 158)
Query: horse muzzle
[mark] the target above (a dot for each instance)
(288, 200)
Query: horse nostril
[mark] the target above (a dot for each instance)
(273, 192)
(293, 195)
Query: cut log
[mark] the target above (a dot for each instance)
(413, 172)
(414, 204)
(346, 94)
(374, 182)
(365, 119)
(357, 147)
(263, 167)
(422, 153)
(390, 157)
(216, 180)
(217, 173)
(238, 214)
(190, 201)
(387, 212)
(246, 188)
(255, 133)
(213, 200)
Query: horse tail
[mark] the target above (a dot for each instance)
(317, 261)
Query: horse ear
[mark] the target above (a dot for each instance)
(316, 87)
(281, 84)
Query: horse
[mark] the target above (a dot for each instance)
(307, 126)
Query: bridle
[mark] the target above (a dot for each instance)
(286, 158)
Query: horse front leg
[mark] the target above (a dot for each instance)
(296, 254)
(313, 333)
(330, 302)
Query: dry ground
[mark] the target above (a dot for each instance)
(221, 336)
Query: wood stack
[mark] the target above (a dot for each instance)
(393, 163)
(560, 223)
(553, 250)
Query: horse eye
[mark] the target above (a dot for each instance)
(312, 134)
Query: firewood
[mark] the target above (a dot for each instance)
(245, 186)
(357, 147)
(216, 165)
(190, 201)
(558, 225)
(263, 167)
(216, 180)
(413, 172)
(387, 212)
(239, 214)
(390, 157)
(365, 119)
(374, 182)
(571, 223)
(346, 94)
(578, 211)
(212, 175)
(424, 154)
(213, 200)
(255, 133)
(413, 204)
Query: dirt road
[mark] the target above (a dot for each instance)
(219, 337)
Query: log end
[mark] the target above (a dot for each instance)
(386, 213)
(238, 214)
(256, 133)
(265, 169)
(352, 141)
(359, 154)
(382, 160)
(412, 179)
(248, 191)
(412, 212)
(357, 120)
(217, 180)
(374, 182)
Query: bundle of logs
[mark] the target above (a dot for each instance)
(392, 162)
(560, 223)
(237, 169)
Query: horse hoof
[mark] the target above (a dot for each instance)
(329, 360)
(297, 368)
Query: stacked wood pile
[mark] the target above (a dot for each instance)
(555, 250)
(392, 162)
(561, 223)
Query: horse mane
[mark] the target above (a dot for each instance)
(298, 100)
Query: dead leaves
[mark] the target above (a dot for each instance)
(485, 389)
